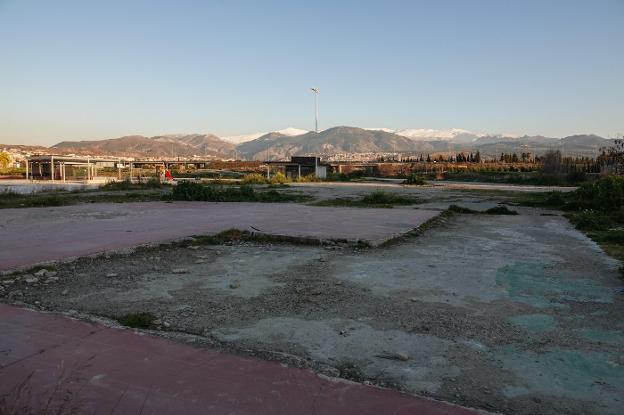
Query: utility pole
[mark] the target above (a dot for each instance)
(316, 92)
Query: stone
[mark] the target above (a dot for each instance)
(112, 275)
(65, 292)
(166, 324)
(200, 261)
(51, 280)
(402, 356)
(157, 322)
(8, 282)
(41, 272)
(180, 271)
(235, 285)
(51, 274)
(31, 280)
(193, 247)
(15, 294)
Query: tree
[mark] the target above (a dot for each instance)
(552, 162)
(5, 159)
(615, 156)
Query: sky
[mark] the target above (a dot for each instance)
(79, 70)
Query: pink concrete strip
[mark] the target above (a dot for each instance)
(37, 235)
(49, 361)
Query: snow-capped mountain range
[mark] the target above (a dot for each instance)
(457, 135)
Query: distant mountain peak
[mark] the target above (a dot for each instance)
(239, 139)
(430, 134)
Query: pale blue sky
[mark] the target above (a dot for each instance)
(102, 69)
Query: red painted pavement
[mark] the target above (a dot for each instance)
(39, 235)
(100, 370)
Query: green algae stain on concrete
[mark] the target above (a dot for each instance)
(613, 337)
(533, 284)
(589, 376)
(535, 322)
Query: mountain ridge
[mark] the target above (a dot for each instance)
(282, 144)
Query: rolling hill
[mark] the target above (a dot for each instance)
(174, 145)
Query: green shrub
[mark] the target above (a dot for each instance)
(604, 194)
(279, 178)
(254, 178)
(412, 179)
(589, 219)
(191, 191)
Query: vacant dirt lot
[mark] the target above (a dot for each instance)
(517, 314)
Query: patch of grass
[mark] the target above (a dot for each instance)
(197, 192)
(64, 198)
(152, 183)
(414, 180)
(534, 178)
(17, 200)
(379, 197)
(461, 209)
(500, 210)
(236, 235)
(142, 320)
(376, 199)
